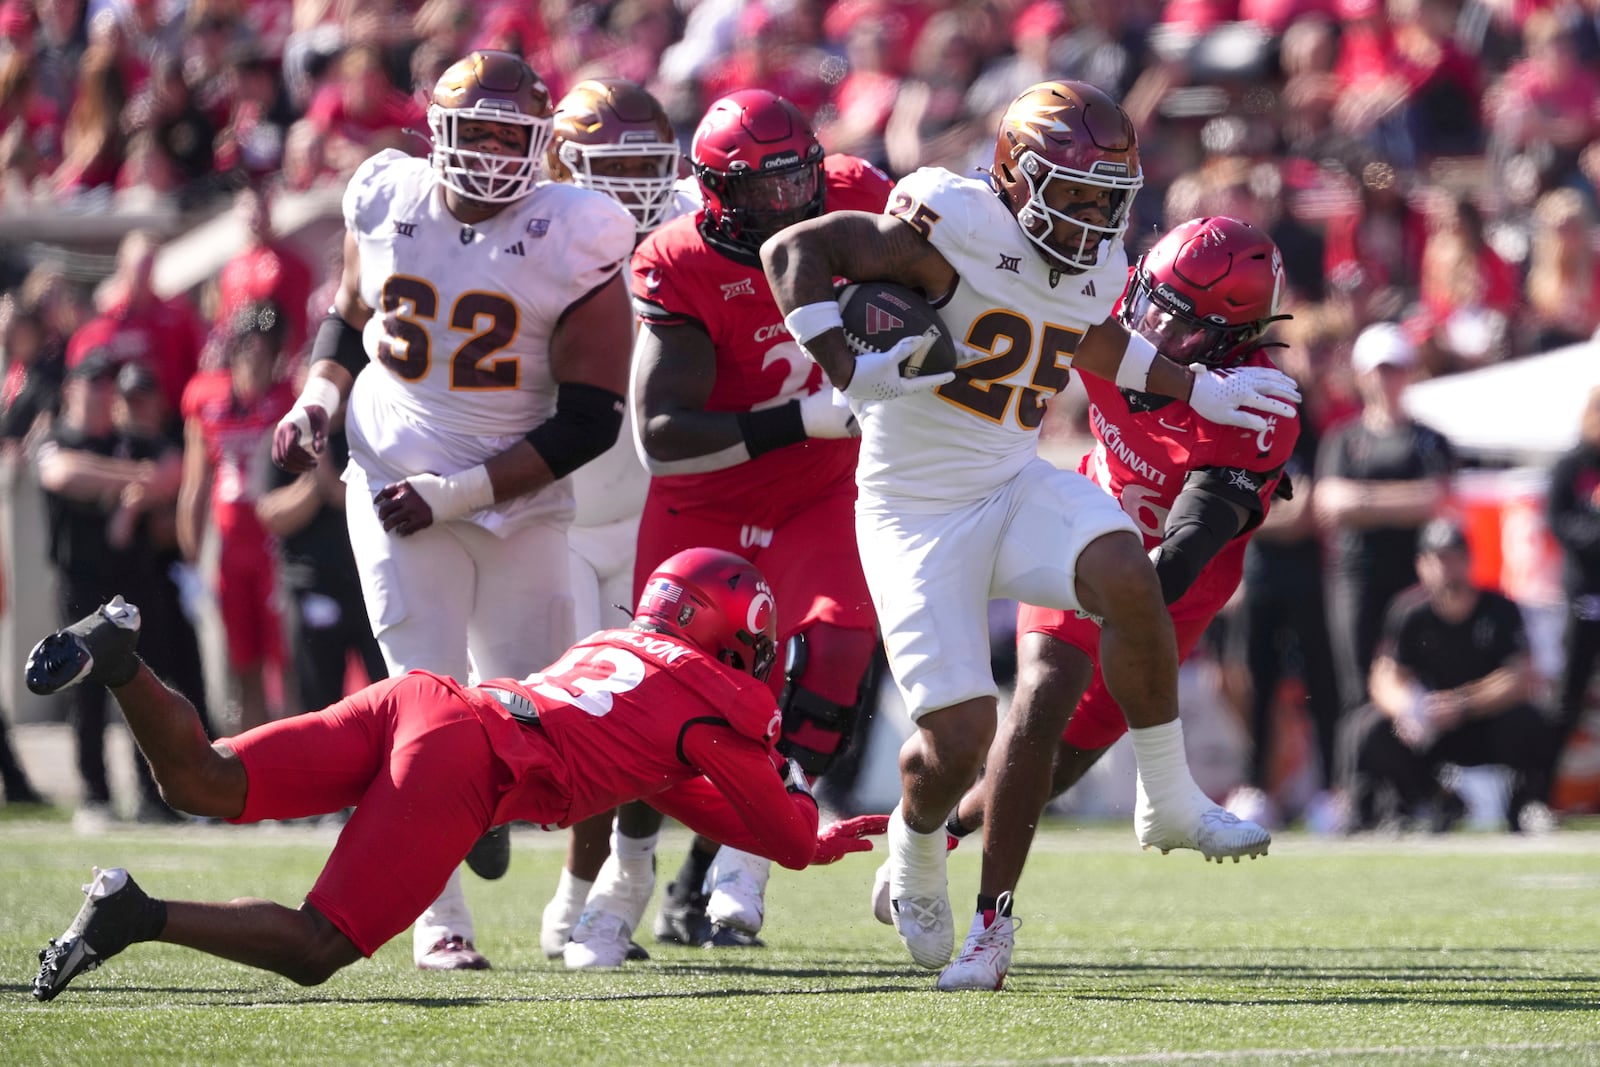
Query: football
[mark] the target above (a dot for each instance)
(877, 314)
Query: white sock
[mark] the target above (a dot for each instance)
(922, 854)
(634, 854)
(1163, 765)
(571, 892)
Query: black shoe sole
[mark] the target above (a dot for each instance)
(56, 663)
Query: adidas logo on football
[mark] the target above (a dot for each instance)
(879, 320)
(1088, 290)
(516, 250)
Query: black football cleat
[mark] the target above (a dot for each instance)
(98, 648)
(732, 937)
(116, 914)
(491, 854)
(681, 919)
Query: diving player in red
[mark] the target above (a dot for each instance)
(748, 452)
(674, 708)
(1196, 490)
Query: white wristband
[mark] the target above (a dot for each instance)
(321, 392)
(457, 494)
(318, 392)
(1134, 371)
(813, 320)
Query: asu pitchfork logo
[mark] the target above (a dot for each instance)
(880, 321)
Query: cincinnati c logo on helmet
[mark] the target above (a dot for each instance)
(760, 611)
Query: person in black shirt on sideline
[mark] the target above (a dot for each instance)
(1452, 682)
(1380, 477)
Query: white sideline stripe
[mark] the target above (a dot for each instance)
(1234, 1055)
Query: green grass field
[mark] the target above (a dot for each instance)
(1466, 949)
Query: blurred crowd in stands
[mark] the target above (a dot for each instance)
(1429, 163)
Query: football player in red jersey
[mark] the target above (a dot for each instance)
(480, 341)
(675, 707)
(1205, 293)
(748, 452)
(228, 418)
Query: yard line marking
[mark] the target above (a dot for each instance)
(1234, 1055)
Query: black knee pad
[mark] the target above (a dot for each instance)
(816, 730)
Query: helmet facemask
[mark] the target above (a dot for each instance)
(487, 177)
(753, 205)
(648, 199)
(1039, 220)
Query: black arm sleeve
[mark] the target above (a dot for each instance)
(1200, 523)
(341, 342)
(770, 428)
(585, 424)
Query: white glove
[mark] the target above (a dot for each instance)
(1223, 395)
(877, 374)
(826, 413)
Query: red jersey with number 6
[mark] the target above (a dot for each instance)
(1146, 450)
(681, 279)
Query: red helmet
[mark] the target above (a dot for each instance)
(489, 86)
(1206, 292)
(759, 165)
(718, 602)
(1060, 135)
(617, 124)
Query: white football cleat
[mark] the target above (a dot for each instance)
(1213, 831)
(880, 895)
(986, 954)
(599, 939)
(920, 904)
(555, 925)
(738, 884)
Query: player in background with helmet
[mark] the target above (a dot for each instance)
(673, 707)
(956, 507)
(612, 136)
(1195, 489)
(483, 320)
(747, 452)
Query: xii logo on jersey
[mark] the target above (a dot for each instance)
(1010, 263)
(406, 229)
(881, 320)
(742, 287)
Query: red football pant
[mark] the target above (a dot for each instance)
(415, 761)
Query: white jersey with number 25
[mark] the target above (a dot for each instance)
(1022, 321)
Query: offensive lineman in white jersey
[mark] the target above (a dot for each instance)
(483, 320)
(612, 136)
(955, 505)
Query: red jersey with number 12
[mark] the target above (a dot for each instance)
(679, 279)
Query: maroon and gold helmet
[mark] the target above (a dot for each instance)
(612, 136)
(489, 86)
(1207, 291)
(1066, 161)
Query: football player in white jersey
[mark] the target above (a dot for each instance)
(480, 341)
(612, 136)
(955, 505)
